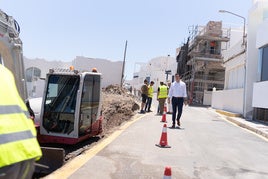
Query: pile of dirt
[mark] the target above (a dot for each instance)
(118, 106)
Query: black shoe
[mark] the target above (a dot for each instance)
(173, 126)
(149, 111)
(178, 122)
(142, 112)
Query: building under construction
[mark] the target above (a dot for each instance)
(200, 61)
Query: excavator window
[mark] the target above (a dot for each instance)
(60, 102)
(90, 102)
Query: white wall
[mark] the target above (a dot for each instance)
(229, 100)
(262, 35)
(111, 71)
(256, 17)
(207, 97)
(236, 35)
(235, 77)
(260, 95)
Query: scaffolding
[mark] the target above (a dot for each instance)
(200, 61)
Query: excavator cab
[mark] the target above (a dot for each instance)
(71, 107)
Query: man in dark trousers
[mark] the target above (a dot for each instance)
(144, 95)
(162, 94)
(178, 95)
(150, 97)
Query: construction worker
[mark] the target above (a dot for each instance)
(212, 47)
(150, 97)
(19, 147)
(162, 94)
(144, 95)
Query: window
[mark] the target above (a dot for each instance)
(32, 74)
(89, 103)
(60, 103)
(264, 64)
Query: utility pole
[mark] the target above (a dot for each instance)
(124, 61)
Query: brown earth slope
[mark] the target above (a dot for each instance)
(118, 106)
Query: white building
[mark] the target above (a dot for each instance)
(245, 67)
(36, 70)
(111, 70)
(257, 15)
(260, 87)
(155, 70)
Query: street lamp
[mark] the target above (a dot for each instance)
(244, 19)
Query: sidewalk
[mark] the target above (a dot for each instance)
(254, 126)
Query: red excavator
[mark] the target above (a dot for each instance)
(70, 112)
(71, 108)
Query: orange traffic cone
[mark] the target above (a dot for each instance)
(163, 140)
(164, 118)
(167, 173)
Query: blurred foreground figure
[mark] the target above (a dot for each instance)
(19, 147)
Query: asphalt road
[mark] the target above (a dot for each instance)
(206, 146)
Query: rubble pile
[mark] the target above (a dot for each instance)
(115, 89)
(118, 105)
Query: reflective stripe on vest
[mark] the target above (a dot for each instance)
(163, 91)
(150, 92)
(13, 137)
(12, 109)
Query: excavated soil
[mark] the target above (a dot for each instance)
(118, 106)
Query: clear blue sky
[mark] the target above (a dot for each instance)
(64, 29)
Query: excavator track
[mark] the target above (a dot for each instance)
(56, 155)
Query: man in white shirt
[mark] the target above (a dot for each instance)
(178, 95)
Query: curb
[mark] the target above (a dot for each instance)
(247, 127)
(229, 116)
(226, 113)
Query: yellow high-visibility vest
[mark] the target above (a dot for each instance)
(150, 91)
(17, 132)
(163, 91)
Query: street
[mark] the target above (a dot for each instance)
(206, 146)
